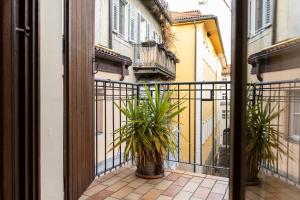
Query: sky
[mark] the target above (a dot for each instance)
(215, 7)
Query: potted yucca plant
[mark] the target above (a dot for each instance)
(263, 138)
(149, 132)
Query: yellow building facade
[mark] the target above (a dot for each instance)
(199, 47)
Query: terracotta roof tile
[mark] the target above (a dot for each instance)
(189, 16)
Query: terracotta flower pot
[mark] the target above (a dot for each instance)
(252, 174)
(149, 169)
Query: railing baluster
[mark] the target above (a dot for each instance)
(105, 125)
(201, 125)
(132, 97)
(126, 104)
(120, 122)
(213, 126)
(189, 142)
(113, 122)
(96, 116)
(195, 118)
(178, 125)
(278, 126)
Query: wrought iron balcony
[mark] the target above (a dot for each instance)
(200, 166)
(203, 128)
(154, 61)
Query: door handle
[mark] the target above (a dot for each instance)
(26, 30)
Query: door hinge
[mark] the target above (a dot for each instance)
(65, 184)
(63, 44)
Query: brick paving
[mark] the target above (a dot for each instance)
(123, 184)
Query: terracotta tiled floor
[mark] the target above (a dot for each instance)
(273, 188)
(123, 184)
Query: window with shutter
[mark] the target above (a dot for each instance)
(295, 116)
(136, 30)
(259, 16)
(249, 18)
(143, 29)
(267, 12)
(138, 38)
(122, 18)
(115, 15)
(151, 33)
(148, 32)
(133, 24)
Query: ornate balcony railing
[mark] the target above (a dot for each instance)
(153, 60)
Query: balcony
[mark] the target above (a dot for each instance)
(177, 184)
(200, 168)
(154, 61)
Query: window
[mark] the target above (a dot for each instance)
(118, 16)
(295, 116)
(115, 15)
(148, 32)
(259, 15)
(224, 96)
(224, 116)
(122, 18)
(100, 112)
(133, 24)
(143, 29)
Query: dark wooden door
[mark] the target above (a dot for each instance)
(79, 96)
(6, 102)
(19, 100)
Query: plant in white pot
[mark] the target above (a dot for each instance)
(149, 132)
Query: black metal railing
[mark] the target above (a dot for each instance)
(203, 128)
(284, 97)
(199, 128)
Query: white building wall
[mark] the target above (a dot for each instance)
(51, 99)
(121, 44)
(287, 27)
(101, 22)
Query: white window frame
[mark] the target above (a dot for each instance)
(115, 16)
(295, 99)
(122, 21)
(267, 15)
(117, 19)
(133, 24)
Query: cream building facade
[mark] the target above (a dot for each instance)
(121, 27)
(199, 47)
(273, 49)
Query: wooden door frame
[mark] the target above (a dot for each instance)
(78, 94)
(239, 56)
(6, 102)
(19, 90)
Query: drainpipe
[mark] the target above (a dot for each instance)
(274, 23)
(110, 24)
(195, 61)
(195, 77)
